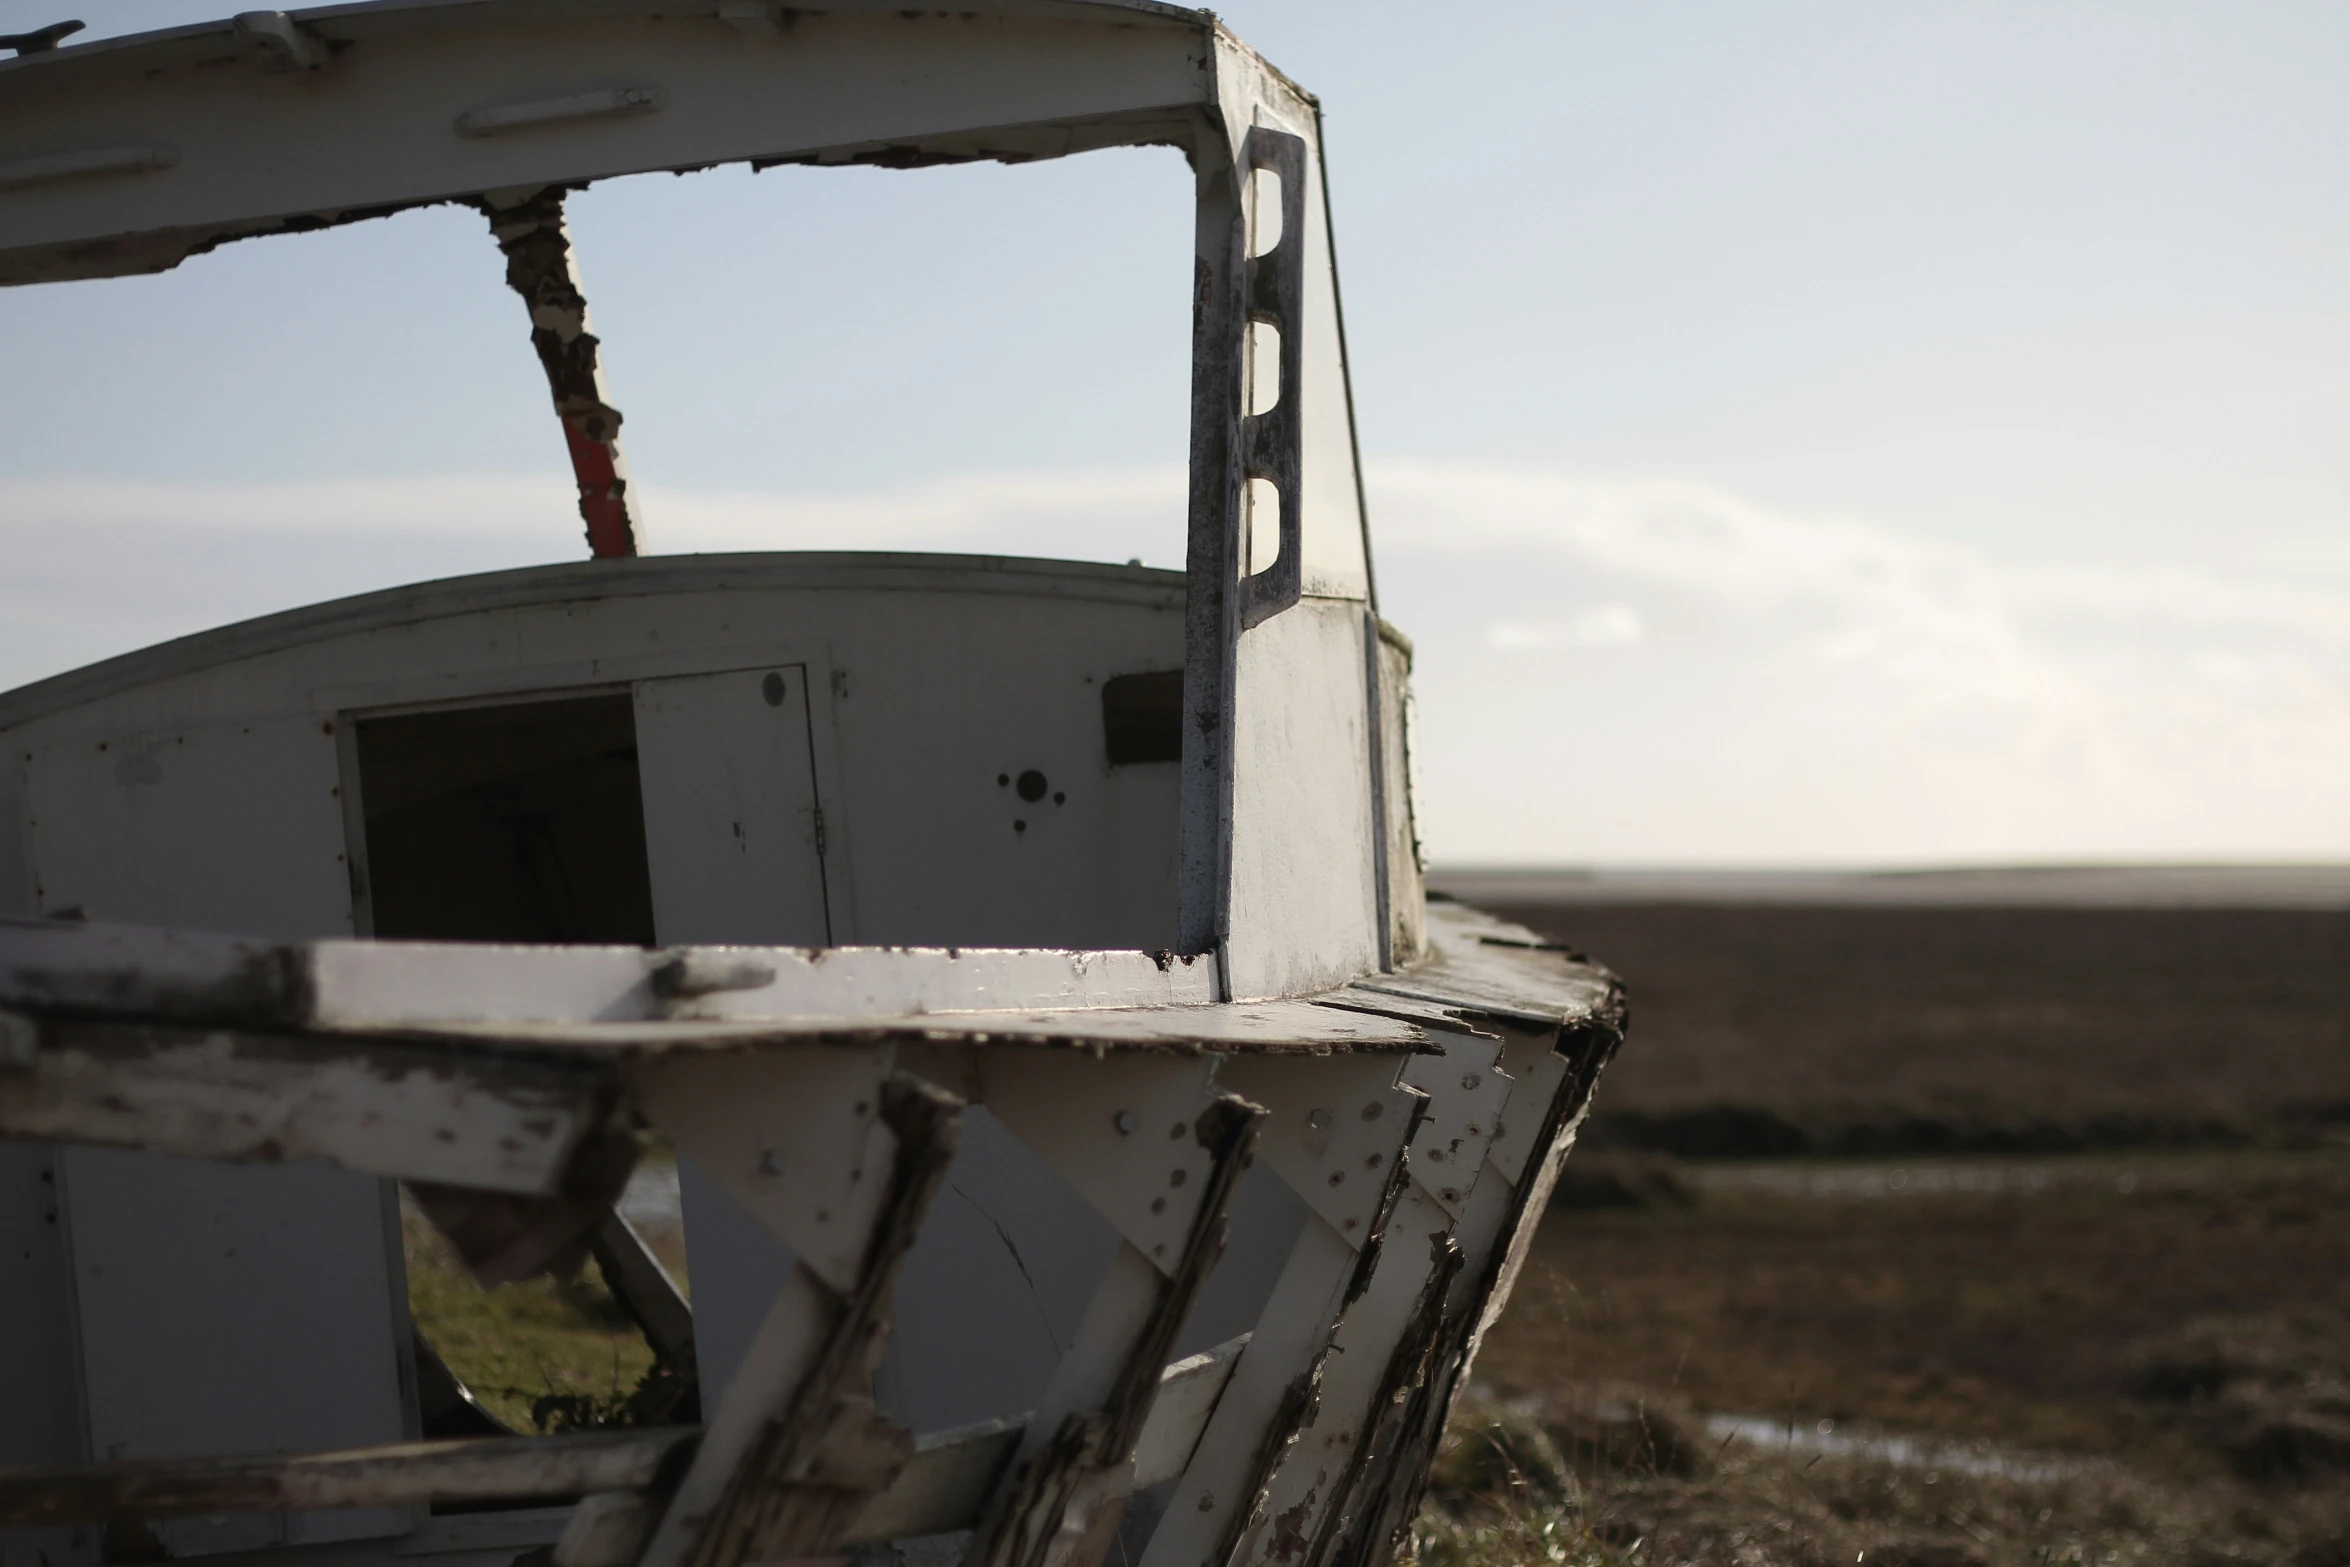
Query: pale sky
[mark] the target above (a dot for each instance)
(1797, 433)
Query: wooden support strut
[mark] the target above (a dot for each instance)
(1063, 1502)
(816, 1462)
(538, 267)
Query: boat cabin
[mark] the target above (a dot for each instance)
(1028, 959)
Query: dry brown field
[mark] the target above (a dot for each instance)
(1936, 1235)
(1775, 1029)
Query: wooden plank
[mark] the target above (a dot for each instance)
(1270, 1389)
(1122, 1133)
(797, 1137)
(194, 977)
(1254, 1027)
(395, 984)
(474, 1469)
(732, 827)
(1336, 1131)
(798, 1446)
(1405, 1294)
(153, 972)
(1486, 966)
(944, 1486)
(1303, 906)
(1062, 1503)
(394, 113)
(1384, 1003)
(174, 826)
(415, 1111)
(1466, 1091)
(1188, 1392)
(1480, 967)
(1365, 1527)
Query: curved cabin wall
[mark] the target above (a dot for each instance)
(841, 749)
(762, 749)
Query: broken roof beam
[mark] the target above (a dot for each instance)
(530, 231)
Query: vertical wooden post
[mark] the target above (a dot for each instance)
(538, 267)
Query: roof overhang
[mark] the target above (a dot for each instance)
(132, 154)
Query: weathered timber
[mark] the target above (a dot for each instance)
(1060, 1505)
(475, 1469)
(816, 1464)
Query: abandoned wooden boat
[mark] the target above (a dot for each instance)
(1089, 892)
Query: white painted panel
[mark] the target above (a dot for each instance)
(1267, 1217)
(946, 674)
(1252, 94)
(737, 1267)
(1336, 562)
(234, 826)
(946, 705)
(378, 124)
(1303, 910)
(16, 850)
(40, 1417)
(229, 1309)
(995, 1288)
(731, 814)
(282, 1322)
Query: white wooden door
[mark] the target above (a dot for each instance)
(733, 829)
(218, 1308)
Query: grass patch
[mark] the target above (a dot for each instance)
(547, 1354)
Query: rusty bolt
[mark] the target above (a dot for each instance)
(1317, 1119)
(1125, 1123)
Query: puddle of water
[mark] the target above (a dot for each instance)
(1823, 1438)
(1920, 1180)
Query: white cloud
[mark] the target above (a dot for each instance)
(1818, 687)
(1774, 687)
(1602, 625)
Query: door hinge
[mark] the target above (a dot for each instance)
(819, 832)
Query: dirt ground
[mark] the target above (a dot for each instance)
(1777, 1030)
(2079, 1290)
(2020, 1314)
(1975, 1361)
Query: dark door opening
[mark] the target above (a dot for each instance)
(518, 822)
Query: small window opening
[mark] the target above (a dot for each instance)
(1264, 212)
(520, 822)
(1264, 367)
(1261, 517)
(1142, 717)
